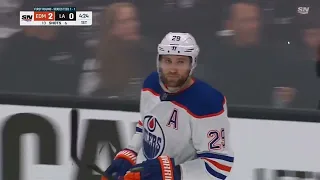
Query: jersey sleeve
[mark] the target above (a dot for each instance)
(150, 88)
(136, 141)
(210, 138)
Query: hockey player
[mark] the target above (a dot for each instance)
(183, 131)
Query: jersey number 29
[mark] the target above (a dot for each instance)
(217, 141)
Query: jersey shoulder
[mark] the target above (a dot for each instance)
(202, 100)
(151, 84)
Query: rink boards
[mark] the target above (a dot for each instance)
(261, 147)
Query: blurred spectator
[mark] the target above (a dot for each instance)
(311, 39)
(242, 65)
(299, 72)
(244, 20)
(41, 60)
(161, 16)
(279, 27)
(122, 58)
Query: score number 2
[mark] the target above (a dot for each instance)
(217, 141)
(50, 16)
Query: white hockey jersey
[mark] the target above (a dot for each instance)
(190, 126)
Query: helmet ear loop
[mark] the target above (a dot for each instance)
(159, 70)
(193, 65)
(158, 63)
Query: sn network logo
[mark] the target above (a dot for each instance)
(303, 10)
(27, 18)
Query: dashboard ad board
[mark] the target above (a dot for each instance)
(35, 144)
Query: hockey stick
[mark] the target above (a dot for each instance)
(74, 147)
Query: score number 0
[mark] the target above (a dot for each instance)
(71, 16)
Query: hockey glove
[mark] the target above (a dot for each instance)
(160, 168)
(123, 161)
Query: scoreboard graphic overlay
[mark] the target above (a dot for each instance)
(54, 16)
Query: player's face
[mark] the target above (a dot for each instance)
(174, 70)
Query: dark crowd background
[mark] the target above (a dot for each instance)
(258, 53)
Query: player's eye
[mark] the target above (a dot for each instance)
(168, 61)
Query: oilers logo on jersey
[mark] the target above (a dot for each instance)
(153, 138)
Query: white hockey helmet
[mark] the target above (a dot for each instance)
(175, 43)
